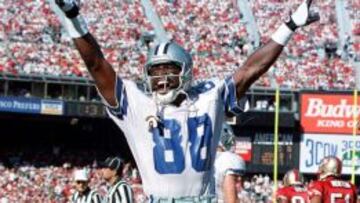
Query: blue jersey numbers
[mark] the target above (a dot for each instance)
(168, 154)
(200, 134)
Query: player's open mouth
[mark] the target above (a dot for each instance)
(164, 86)
(164, 90)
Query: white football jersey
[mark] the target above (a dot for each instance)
(226, 163)
(175, 157)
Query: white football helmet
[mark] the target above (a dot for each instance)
(330, 166)
(293, 177)
(169, 53)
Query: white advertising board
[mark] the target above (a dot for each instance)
(314, 147)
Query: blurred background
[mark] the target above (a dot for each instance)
(52, 121)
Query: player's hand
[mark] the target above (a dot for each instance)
(302, 16)
(68, 14)
(69, 7)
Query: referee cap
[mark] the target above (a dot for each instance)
(114, 163)
(81, 175)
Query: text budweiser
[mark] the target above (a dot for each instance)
(318, 108)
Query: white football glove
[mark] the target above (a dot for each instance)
(67, 12)
(302, 16)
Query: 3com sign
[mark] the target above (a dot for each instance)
(315, 147)
(347, 158)
(318, 150)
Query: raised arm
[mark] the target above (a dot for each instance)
(101, 71)
(262, 59)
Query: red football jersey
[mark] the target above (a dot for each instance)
(293, 194)
(333, 190)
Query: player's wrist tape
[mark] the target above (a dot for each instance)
(291, 24)
(76, 27)
(73, 12)
(282, 35)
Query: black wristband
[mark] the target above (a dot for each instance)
(73, 12)
(291, 24)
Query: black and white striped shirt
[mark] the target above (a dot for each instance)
(121, 192)
(89, 196)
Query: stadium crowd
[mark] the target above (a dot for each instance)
(27, 182)
(32, 42)
(49, 184)
(214, 32)
(48, 177)
(42, 179)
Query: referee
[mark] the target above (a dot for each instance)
(119, 191)
(83, 192)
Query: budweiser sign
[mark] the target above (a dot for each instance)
(328, 113)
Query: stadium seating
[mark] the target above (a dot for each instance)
(34, 42)
(41, 179)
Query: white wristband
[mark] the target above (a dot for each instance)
(282, 35)
(76, 27)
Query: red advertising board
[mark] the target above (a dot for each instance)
(243, 147)
(328, 113)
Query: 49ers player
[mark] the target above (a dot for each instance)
(294, 190)
(329, 188)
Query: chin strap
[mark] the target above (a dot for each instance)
(154, 120)
(166, 99)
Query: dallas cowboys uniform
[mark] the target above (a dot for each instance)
(174, 147)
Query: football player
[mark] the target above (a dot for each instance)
(293, 190)
(173, 134)
(228, 168)
(330, 188)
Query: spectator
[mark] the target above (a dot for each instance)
(29, 32)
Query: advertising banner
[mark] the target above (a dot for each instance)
(52, 107)
(256, 147)
(243, 147)
(315, 147)
(327, 113)
(20, 105)
(31, 106)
